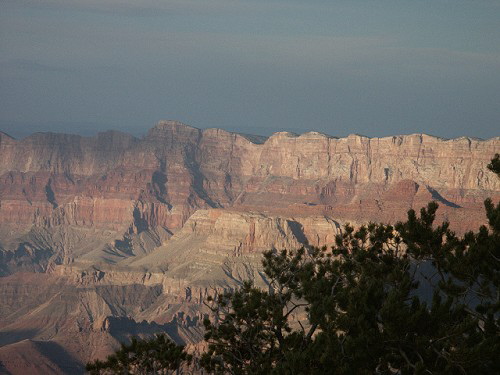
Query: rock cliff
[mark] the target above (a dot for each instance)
(114, 180)
(120, 235)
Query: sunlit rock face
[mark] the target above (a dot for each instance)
(116, 180)
(102, 237)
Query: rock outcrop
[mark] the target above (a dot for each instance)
(102, 237)
(114, 180)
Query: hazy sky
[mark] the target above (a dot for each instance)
(374, 67)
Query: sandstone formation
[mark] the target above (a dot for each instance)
(107, 236)
(114, 180)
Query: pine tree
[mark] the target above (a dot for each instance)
(494, 166)
(157, 355)
(366, 305)
(412, 298)
(408, 299)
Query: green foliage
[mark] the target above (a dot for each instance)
(251, 329)
(412, 298)
(158, 355)
(363, 305)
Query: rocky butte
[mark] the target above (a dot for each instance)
(107, 236)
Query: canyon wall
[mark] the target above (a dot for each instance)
(114, 180)
(107, 236)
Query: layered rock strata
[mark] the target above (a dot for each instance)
(102, 237)
(116, 181)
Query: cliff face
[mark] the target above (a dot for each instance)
(115, 180)
(114, 198)
(119, 235)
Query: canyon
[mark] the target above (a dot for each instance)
(110, 236)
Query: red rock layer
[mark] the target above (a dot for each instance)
(115, 180)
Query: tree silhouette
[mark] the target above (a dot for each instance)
(406, 299)
(365, 306)
(158, 355)
(413, 298)
(494, 166)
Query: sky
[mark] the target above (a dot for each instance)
(371, 67)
